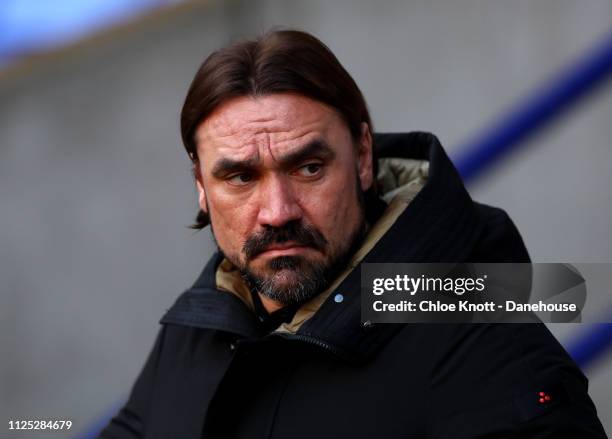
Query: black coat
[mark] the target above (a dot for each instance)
(212, 373)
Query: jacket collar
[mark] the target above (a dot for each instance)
(439, 225)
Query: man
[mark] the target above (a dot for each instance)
(269, 343)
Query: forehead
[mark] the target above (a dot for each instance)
(279, 121)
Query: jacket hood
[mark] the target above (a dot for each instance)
(439, 225)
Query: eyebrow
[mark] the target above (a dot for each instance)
(316, 148)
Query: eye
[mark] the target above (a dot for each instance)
(310, 170)
(240, 179)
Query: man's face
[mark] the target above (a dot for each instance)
(281, 178)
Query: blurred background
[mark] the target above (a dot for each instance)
(96, 189)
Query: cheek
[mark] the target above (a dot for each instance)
(231, 222)
(333, 208)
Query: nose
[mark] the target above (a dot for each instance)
(278, 204)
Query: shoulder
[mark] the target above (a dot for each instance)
(499, 240)
(486, 379)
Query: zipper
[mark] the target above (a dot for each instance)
(309, 340)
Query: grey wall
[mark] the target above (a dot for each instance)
(96, 192)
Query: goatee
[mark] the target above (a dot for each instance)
(296, 279)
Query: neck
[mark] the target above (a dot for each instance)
(269, 304)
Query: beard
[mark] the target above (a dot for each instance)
(293, 280)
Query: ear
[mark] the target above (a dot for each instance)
(200, 188)
(364, 158)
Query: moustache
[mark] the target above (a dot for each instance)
(293, 231)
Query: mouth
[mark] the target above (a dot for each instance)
(284, 249)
